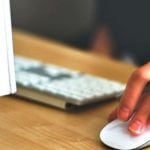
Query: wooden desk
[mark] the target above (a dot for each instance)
(30, 126)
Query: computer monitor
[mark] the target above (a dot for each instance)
(7, 73)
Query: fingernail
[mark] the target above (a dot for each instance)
(136, 127)
(123, 113)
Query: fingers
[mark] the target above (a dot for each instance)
(133, 102)
(133, 92)
(141, 118)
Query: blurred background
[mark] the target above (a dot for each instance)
(117, 29)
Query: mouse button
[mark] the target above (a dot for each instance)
(111, 135)
(116, 135)
(145, 137)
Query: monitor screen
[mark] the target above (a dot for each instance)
(7, 75)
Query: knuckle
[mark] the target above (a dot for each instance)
(128, 100)
(127, 106)
(139, 118)
(140, 74)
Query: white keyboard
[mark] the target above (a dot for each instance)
(61, 87)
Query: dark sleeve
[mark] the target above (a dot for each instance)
(129, 22)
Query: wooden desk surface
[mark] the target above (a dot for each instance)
(26, 125)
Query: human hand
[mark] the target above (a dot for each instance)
(135, 102)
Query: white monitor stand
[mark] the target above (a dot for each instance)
(7, 73)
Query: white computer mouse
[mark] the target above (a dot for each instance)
(117, 136)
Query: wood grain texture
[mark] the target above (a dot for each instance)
(26, 125)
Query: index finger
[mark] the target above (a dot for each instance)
(133, 91)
